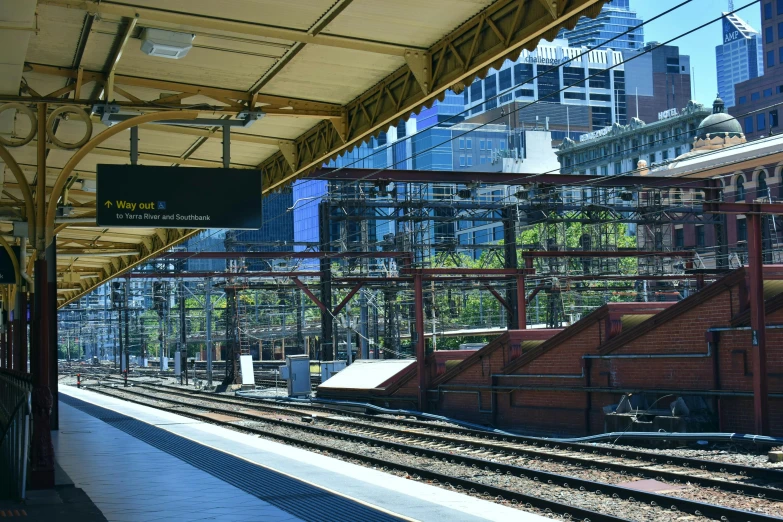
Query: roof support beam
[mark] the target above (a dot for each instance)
(105, 7)
(317, 27)
(268, 101)
(115, 59)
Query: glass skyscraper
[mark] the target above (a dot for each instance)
(615, 18)
(739, 58)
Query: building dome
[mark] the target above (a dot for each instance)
(719, 124)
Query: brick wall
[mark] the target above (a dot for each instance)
(673, 355)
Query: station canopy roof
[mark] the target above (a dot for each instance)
(325, 74)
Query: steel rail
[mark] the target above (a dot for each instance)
(717, 512)
(659, 459)
(540, 454)
(465, 484)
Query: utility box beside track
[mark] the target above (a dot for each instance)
(297, 373)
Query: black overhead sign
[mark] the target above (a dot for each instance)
(7, 273)
(178, 197)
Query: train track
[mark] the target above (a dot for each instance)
(520, 443)
(499, 458)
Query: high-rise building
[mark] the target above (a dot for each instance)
(658, 79)
(275, 235)
(615, 18)
(757, 99)
(547, 89)
(739, 57)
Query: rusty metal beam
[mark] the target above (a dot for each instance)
(347, 298)
(504, 178)
(309, 294)
(499, 297)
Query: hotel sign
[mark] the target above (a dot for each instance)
(669, 113)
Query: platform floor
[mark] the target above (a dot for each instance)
(138, 463)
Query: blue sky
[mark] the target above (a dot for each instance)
(699, 45)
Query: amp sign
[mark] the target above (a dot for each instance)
(730, 33)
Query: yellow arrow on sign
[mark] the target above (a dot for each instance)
(108, 204)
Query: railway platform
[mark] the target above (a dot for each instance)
(138, 463)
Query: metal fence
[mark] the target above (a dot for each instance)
(15, 429)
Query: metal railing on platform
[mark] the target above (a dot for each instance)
(15, 430)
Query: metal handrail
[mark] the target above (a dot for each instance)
(15, 429)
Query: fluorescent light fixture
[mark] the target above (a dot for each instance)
(166, 44)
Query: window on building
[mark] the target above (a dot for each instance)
(768, 11)
(770, 58)
(780, 7)
(780, 31)
(462, 161)
(482, 144)
(483, 160)
(600, 79)
(739, 194)
(618, 168)
(469, 143)
(602, 117)
(744, 99)
(769, 35)
(497, 234)
(761, 121)
(601, 97)
(767, 92)
(401, 130)
(742, 229)
(490, 92)
(476, 91)
(504, 80)
(519, 93)
(523, 73)
(773, 118)
(748, 124)
(502, 145)
(574, 96)
(651, 139)
(634, 163)
(700, 236)
(651, 160)
(549, 85)
(470, 161)
(679, 237)
(604, 170)
(573, 77)
(462, 143)
(665, 154)
(754, 96)
(672, 64)
(677, 152)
